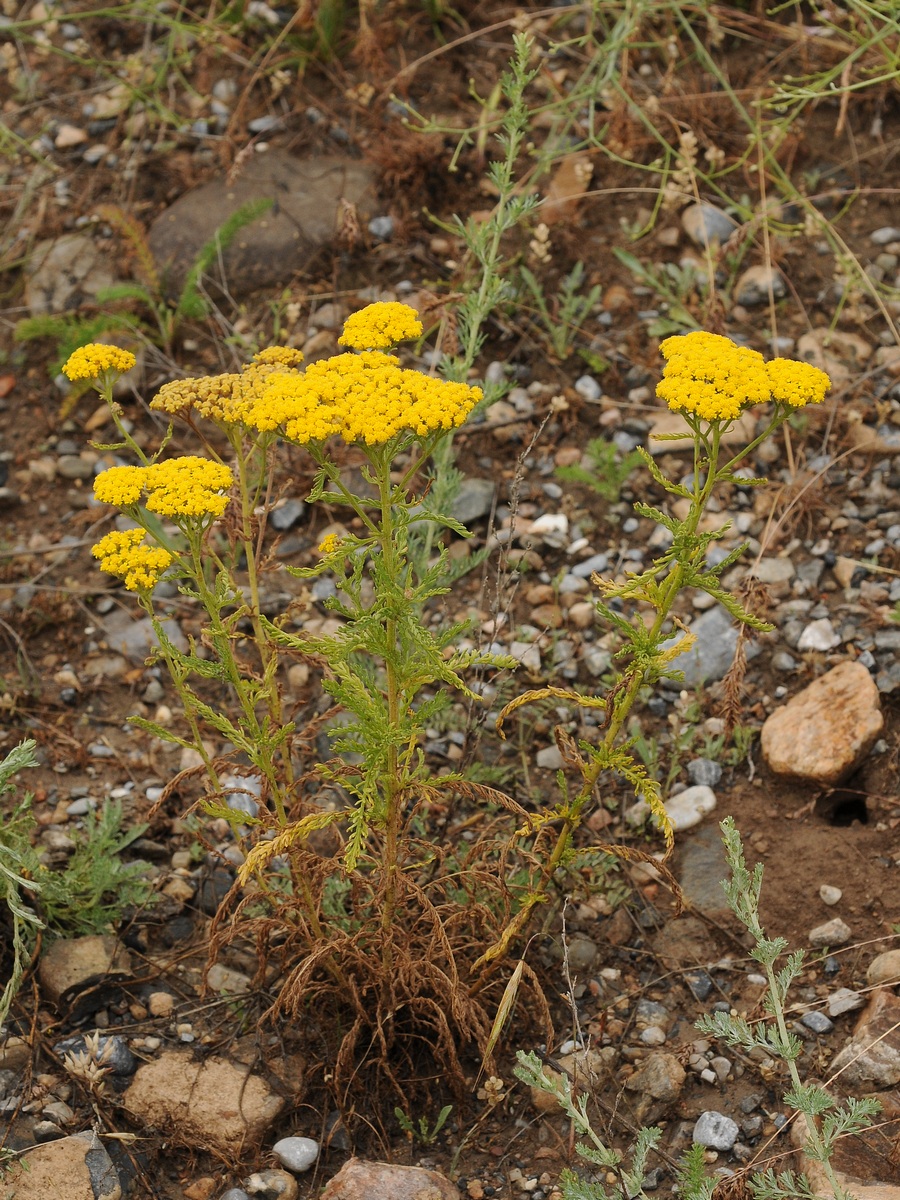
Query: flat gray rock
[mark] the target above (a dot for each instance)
(710, 657)
(64, 273)
(703, 867)
(135, 637)
(306, 192)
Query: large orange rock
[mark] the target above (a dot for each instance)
(216, 1104)
(361, 1180)
(825, 731)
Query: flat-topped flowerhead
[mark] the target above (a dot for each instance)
(180, 487)
(119, 485)
(125, 554)
(228, 398)
(379, 326)
(328, 544)
(95, 360)
(187, 487)
(711, 376)
(366, 397)
(796, 383)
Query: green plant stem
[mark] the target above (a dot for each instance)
(705, 444)
(262, 754)
(392, 791)
(264, 646)
(815, 1137)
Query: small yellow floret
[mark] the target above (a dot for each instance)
(329, 544)
(711, 376)
(187, 487)
(95, 359)
(797, 383)
(120, 485)
(381, 325)
(123, 553)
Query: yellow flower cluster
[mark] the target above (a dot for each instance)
(711, 376)
(94, 360)
(120, 486)
(124, 554)
(365, 397)
(328, 544)
(378, 326)
(716, 379)
(796, 383)
(227, 398)
(187, 487)
(179, 487)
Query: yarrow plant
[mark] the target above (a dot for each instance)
(200, 520)
(712, 383)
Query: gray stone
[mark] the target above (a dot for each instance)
(586, 568)
(581, 953)
(597, 660)
(710, 657)
(885, 235)
(474, 499)
(819, 635)
(843, 1001)
(550, 759)
(287, 515)
(715, 1130)
(588, 388)
(308, 194)
(689, 807)
(707, 225)
(782, 661)
(704, 771)
(700, 984)
(774, 570)
(296, 1153)
(65, 273)
(382, 228)
(703, 867)
(136, 638)
(755, 283)
(242, 792)
(73, 466)
(235, 1194)
(832, 933)
(817, 1022)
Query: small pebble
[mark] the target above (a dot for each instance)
(588, 388)
(715, 1130)
(817, 1022)
(844, 1000)
(832, 933)
(296, 1153)
(819, 635)
(653, 1036)
(829, 895)
(382, 228)
(705, 772)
